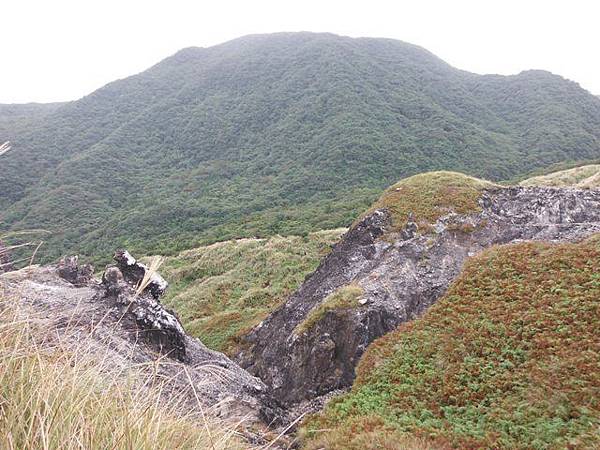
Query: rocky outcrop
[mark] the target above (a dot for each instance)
(135, 333)
(68, 269)
(134, 272)
(401, 273)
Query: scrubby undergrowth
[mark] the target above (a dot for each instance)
(426, 197)
(509, 358)
(222, 290)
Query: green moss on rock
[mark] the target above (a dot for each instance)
(345, 297)
(426, 197)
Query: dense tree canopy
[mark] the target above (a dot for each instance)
(268, 134)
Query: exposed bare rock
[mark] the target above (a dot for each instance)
(135, 333)
(401, 273)
(69, 270)
(134, 272)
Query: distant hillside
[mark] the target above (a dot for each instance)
(282, 133)
(16, 118)
(507, 359)
(583, 177)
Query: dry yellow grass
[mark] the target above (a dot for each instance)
(53, 398)
(587, 177)
(154, 265)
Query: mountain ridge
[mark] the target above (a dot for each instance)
(266, 134)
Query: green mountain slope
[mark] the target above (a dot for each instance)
(283, 133)
(16, 118)
(507, 359)
(222, 290)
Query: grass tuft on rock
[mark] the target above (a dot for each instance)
(345, 297)
(507, 359)
(426, 197)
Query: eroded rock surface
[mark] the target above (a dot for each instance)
(133, 272)
(135, 332)
(401, 274)
(69, 269)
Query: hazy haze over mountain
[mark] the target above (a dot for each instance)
(65, 49)
(281, 133)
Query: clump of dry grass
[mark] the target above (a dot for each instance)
(152, 271)
(4, 148)
(12, 243)
(53, 398)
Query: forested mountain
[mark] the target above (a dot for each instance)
(282, 133)
(16, 118)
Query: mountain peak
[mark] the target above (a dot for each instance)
(277, 133)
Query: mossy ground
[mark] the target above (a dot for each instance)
(509, 358)
(426, 197)
(222, 290)
(343, 298)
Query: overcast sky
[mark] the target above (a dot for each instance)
(54, 50)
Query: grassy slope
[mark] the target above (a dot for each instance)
(509, 358)
(276, 134)
(222, 290)
(587, 176)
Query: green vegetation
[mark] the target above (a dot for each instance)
(273, 134)
(55, 398)
(509, 358)
(343, 298)
(426, 197)
(16, 118)
(587, 177)
(222, 290)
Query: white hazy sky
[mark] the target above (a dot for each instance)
(54, 50)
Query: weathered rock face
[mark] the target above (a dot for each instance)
(134, 272)
(135, 333)
(401, 274)
(69, 269)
